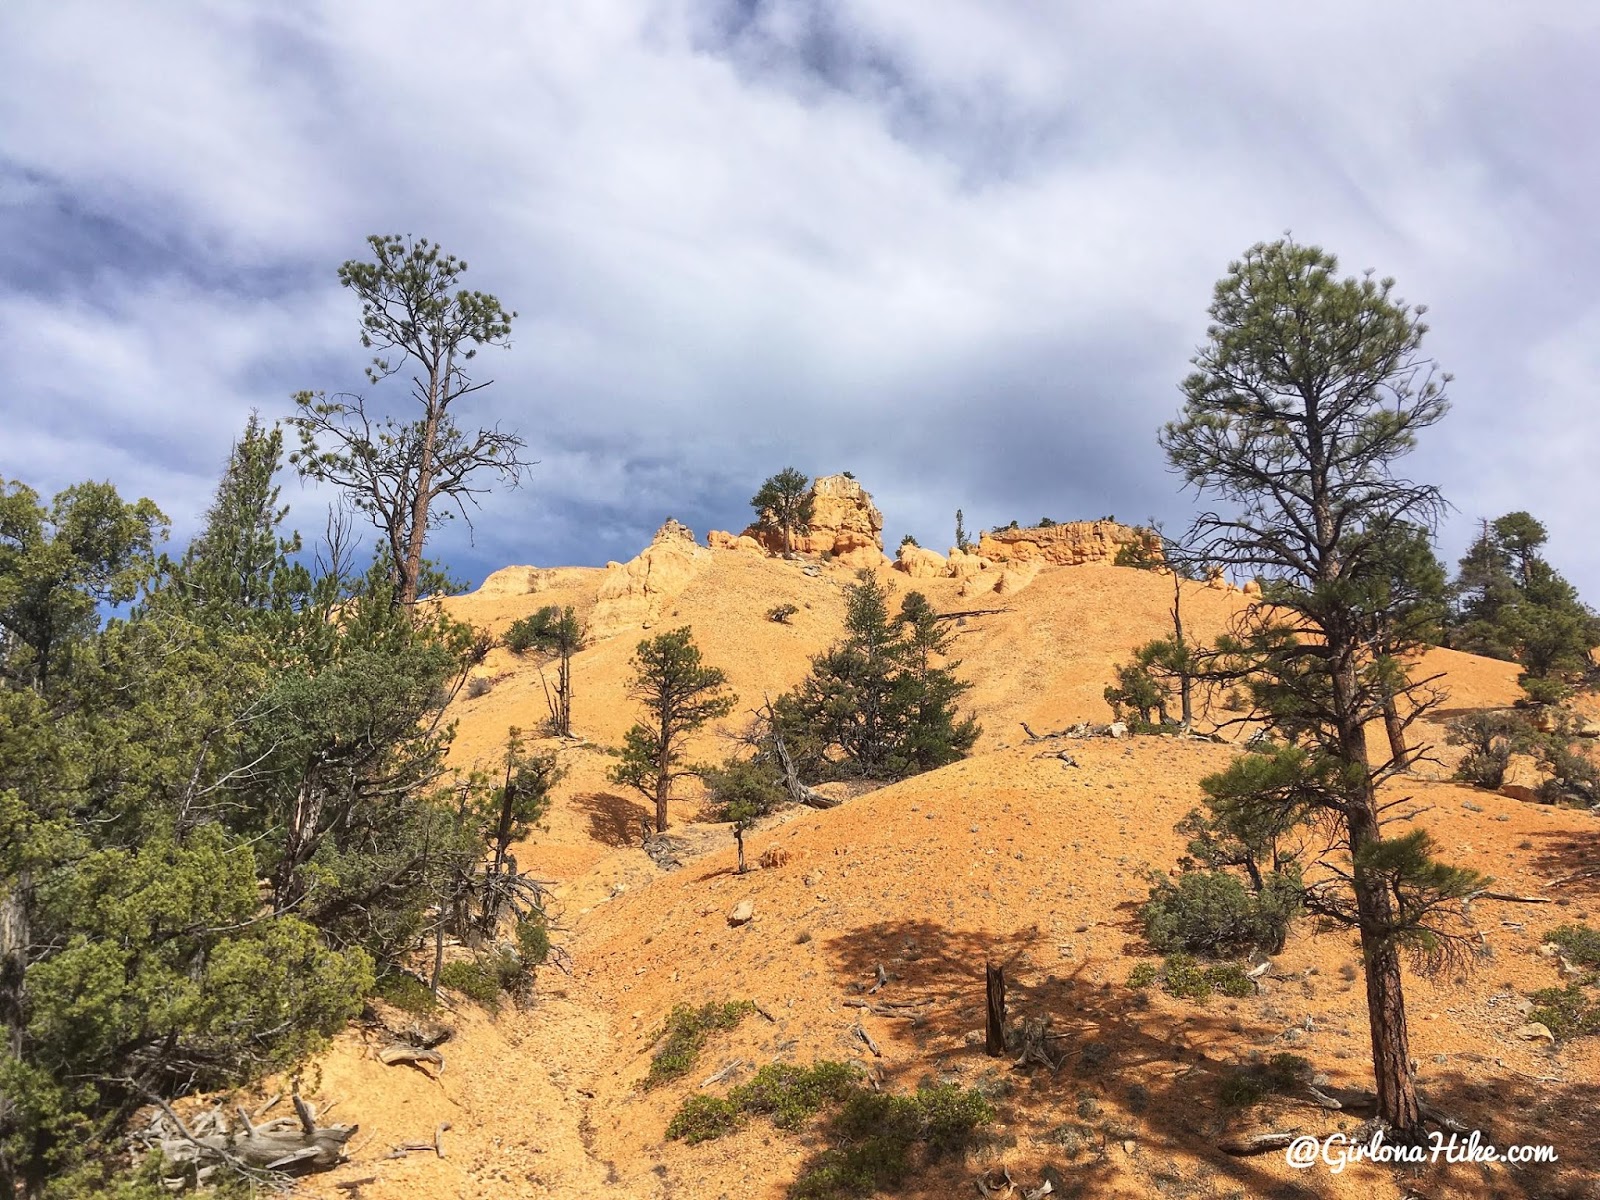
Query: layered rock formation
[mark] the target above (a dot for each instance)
(1071, 544)
(633, 594)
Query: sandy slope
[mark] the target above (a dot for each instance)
(1011, 855)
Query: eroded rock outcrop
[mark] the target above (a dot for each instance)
(844, 523)
(719, 539)
(633, 594)
(1071, 544)
(920, 563)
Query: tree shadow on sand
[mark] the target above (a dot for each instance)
(1136, 1096)
(1571, 862)
(613, 820)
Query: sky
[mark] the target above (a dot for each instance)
(963, 250)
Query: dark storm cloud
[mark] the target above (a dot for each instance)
(965, 257)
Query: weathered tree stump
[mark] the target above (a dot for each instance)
(994, 1044)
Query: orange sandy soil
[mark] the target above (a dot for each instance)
(1011, 855)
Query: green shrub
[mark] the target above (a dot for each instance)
(510, 971)
(685, 1032)
(1183, 976)
(861, 1169)
(908, 540)
(1580, 943)
(1574, 779)
(950, 1117)
(1566, 1012)
(533, 941)
(1544, 689)
(743, 789)
(874, 1135)
(1211, 913)
(406, 992)
(1244, 1086)
(1491, 738)
(474, 980)
(866, 1114)
(702, 1118)
(790, 1094)
(1231, 980)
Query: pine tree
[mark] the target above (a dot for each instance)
(785, 503)
(407, 474)
(936, 734)
(60, 565)
(1510, 603)
(1308, 390)
(559, 632)
(680, 694)
(880, 703)
(239, 556)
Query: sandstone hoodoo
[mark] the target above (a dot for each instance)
(844, 523)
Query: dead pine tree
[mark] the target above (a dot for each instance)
(1306, 394)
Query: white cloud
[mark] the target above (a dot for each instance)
(966, 256)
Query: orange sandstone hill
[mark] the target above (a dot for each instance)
(1014, 855)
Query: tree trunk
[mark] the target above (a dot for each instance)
(438, 950)
(1380, 956)
(1397, 733)
(738, 837)
(14, 937)
(1185, 681)
(663, 789)
(1386, 1008)
(1391, 1052)
(411, 570)
(565, 698)
(994, 1043)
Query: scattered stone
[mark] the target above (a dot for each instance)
(1535, 1031)
(742, 913)
(1117, 729)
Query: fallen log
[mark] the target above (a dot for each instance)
(861, 1032)
(1508, 898)
(722, 1074)
(286, 1144)
(414, 1055)
(1259, 1143)
(437, 1145)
